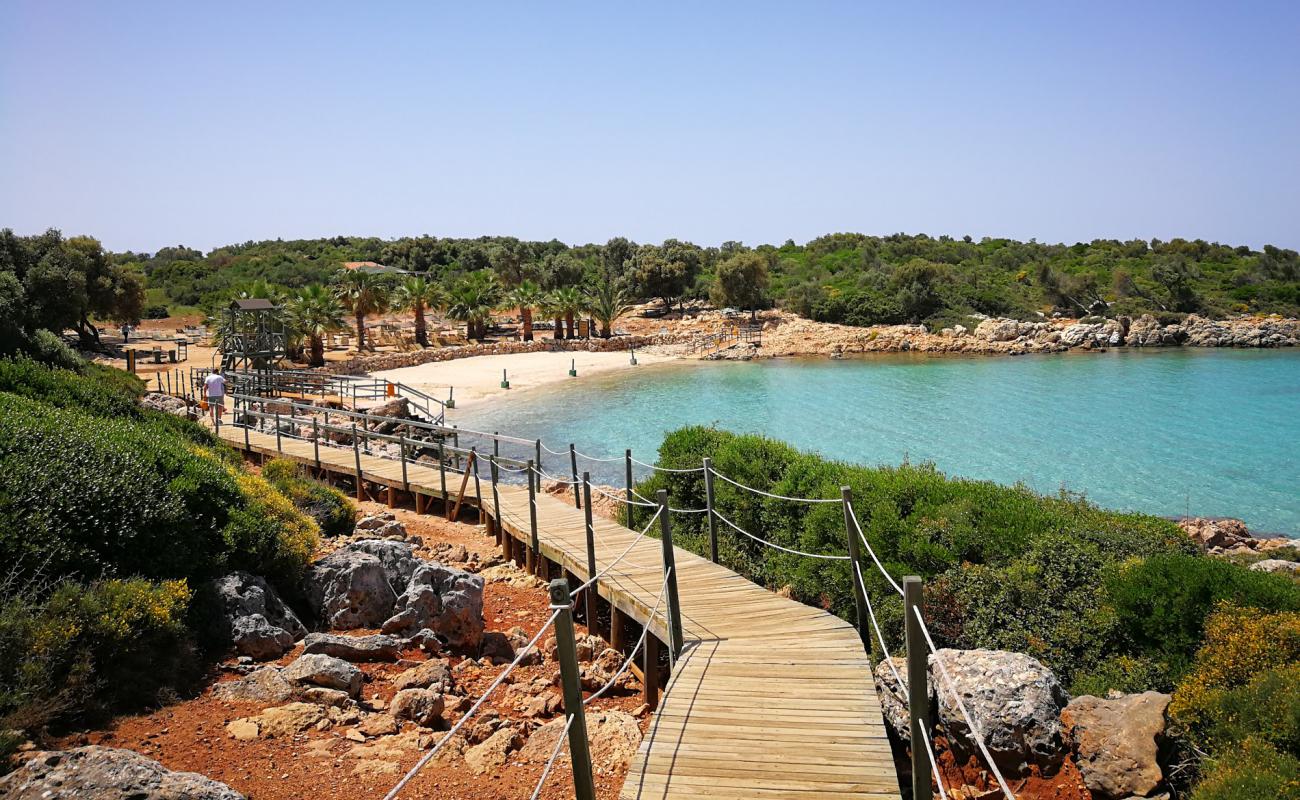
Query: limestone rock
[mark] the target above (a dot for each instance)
(106, 773)
(375, 647)
(284, 721)
(378, 725)
(446, 600)
(893, 696)
(494, 752)
(432, 674)
(350, 589)
(1277, 565)
(258, 622)
(243, 730)
(614, 735)
(381, 526)
(332, 698)
(1015, 701)
(397, 558)
(1217, 533)
(1117, 742)
(496, 648)
(421, 706)
(265, 685)
(322, 670)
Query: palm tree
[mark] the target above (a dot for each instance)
(570, 302)
(364, 293)
(314, 312)
(527, 297)
(551, 307)
(418, 294)
(607, 303)
(472, 301)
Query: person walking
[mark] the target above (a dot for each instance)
(214, 386)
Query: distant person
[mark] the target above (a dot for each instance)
(126, 333)
(214, 386)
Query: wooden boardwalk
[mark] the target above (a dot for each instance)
(770, 698)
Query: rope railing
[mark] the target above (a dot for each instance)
(739, 529)
(419, 765)
(976, 735)
(663, 589)
(647, 504)
(762, 493)
(550, 762)
(658, 468)
(852, 515)
(640, 496)
(621, 555)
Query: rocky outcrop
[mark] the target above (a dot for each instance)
(494, 751)
(366, 364)
(258, 622)
(383, 525)
(375, 647)
(1015, 703)
(893, 695)
(165, 403)
(1220, 534)
(432, 674)
(1117, 743)
(265, 685)
(446, 600)
(397, 558)
(106, 773)
(350, 589)
(326, 671)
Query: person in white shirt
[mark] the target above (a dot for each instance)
(215, 387)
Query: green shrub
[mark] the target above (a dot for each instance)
(94, 389)
(1248, 661)
(1254, 772)
(332, 510)
(1161, 603)
(49, 348)
(90, 649)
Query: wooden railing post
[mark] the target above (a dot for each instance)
(573, 475)
(315, 441)
(627, 488)
(591, 590)
(496, 501)
(537, 446)
(278, 447)
(918, 692)
(566, 650)
(356, 455)
(442, 470)
(708, 509)
(859, 599)
(478, 488)
(401, 454)
(670, 569)
(535, 545)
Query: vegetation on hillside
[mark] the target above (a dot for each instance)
(843, 277)
(113, 518)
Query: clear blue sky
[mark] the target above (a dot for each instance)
(147, 124)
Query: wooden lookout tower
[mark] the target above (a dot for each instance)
(255, 338)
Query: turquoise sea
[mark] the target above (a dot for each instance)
(1169, 432)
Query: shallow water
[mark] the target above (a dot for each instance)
(1206, 432)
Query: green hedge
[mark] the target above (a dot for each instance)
(1053, 576)
(333, 511)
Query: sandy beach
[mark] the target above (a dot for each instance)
(479, 378)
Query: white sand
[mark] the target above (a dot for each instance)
(478, 378)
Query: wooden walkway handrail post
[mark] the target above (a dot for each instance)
(918, 693)
(401, 453)
(478, 488)
(356, 453)
(708, 509)
(533, 540)
(279, 447)
(537, 455)
(670, 570)
(627, 487)
(566, 649)
(442, 469)
(573, 475)
(315, 441)
(496, 502)
(591, 591)
(859, 599)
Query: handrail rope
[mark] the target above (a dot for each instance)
(898, 679)
(934, 767)
(975, 734)
(549, 450)
(581, 454)
(611, 564)
(663, 589)
(474, 708)
(550, 762)
(658, 468)
(670, 508)
(774, 496)
(853, 515)
(624, 499)
(551, 477)
(777, 546)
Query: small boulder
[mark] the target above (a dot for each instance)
(614, 737)
(243, 730)
(1014, 700)
(378, 725)
(1277, 565)
(1217, 533)
(432, 674)
(1117, 742)
(397, 558)
(496, 648)
(282, 722)
(447, 601)
(421, 706)
(257, 638)
(893, 696)
(265, 685)
(322, 670)
(494, 752)
(375, 647)
(108, 773)
(258, 622)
